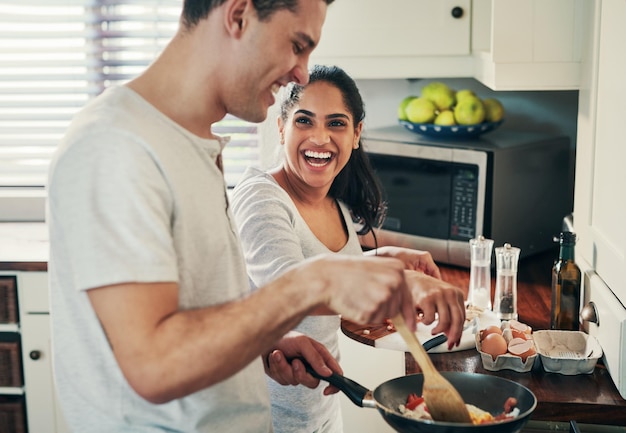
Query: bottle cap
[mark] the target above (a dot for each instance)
(567, 238)
(507, 257)
(480, 249)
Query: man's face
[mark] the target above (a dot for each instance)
(273, 53)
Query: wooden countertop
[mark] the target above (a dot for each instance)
(591, 399)
(23, 247)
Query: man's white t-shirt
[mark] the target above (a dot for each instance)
(134, 197)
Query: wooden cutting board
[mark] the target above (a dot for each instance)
(385, 337)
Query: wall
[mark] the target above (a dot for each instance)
(549, 111)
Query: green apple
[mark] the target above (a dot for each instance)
(469, 111)
(494, 111)
(420, 110)
(463, 93)
(402, 107)
(445, 118)
(440, 94)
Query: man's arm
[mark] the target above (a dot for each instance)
(166, 353)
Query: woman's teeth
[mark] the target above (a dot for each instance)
(275, 88)
(318, 159)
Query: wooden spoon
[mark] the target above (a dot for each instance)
(443, 400)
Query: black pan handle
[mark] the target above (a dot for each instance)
(434, 342)
(353, 390)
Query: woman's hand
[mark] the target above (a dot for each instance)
(414, 260)
(282, 362)
(437, 299)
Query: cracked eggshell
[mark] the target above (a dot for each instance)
(507, 361)
(521, 347)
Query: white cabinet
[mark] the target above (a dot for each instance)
(43, 415)
(505, 44)
(599, 202)
(528, 45)
(398, 38)
(600, 205)
(370, 367)
(43, 412)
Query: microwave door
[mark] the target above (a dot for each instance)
(417, 192)
(435, 200)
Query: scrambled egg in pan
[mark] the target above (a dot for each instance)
(477, 415)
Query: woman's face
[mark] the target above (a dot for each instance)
(319, 136)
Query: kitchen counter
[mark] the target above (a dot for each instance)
(591, 399)
(23, 247)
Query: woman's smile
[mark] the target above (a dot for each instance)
(318, 159)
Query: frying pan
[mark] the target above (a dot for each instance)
(484, 391)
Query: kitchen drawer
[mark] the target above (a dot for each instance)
(8, 300)
(12, 414)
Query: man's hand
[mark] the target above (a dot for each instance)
(361, 289)
(283, 365)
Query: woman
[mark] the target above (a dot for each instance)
(310, 205)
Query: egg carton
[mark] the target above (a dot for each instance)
(567, 352)
(508, 361)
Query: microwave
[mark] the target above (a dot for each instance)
(510, 186)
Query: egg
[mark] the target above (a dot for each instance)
(494, 344)
(490, 330)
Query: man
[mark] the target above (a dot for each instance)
(154, 328)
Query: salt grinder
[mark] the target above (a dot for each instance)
(479, 293)
(505, 299)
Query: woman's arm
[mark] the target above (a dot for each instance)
(268, 227)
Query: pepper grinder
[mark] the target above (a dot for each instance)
(479, 293)
(505, 300)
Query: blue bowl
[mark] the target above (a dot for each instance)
(456, 131)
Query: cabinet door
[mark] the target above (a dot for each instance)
(37, 355)
(375, 28)
(600, 205)
(369, 366)
(397, 39)
(528, 45)
(609, 205)
(42, 411)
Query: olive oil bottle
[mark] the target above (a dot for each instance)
(565, 286)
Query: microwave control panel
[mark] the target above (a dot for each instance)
(463, 202)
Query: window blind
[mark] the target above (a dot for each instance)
(55, 55)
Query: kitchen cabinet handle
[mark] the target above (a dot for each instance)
(589, 313)
(457, 12)
(34, 355)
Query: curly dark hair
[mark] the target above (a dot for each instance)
(195, 10)
(357, 184)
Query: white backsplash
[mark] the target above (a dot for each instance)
(548, 111)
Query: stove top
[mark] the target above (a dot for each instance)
(571, 427)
